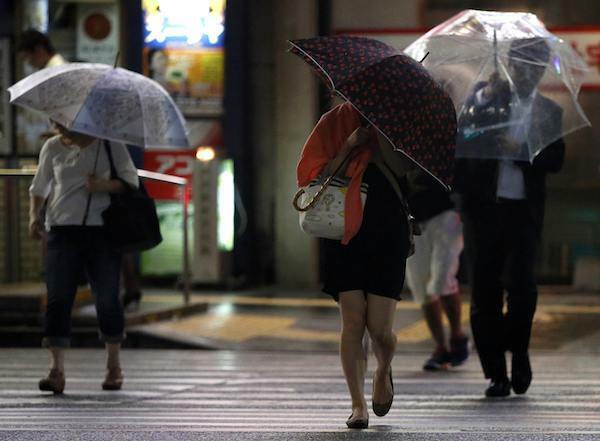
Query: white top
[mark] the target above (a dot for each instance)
(62, 173)
(511, 183)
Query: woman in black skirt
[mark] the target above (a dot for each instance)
(365, 275)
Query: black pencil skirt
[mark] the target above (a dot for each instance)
(374, 261)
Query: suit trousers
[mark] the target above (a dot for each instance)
(501, 242)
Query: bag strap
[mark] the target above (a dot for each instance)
(89, 198)
(113, 170)
(387, 172)
(413, 227)
(313, 201)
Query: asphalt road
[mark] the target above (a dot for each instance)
(221, 395)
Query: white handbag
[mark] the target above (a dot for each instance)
(321, 206)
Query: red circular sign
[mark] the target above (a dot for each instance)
(97, 26)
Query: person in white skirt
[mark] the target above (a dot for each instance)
(431, 273)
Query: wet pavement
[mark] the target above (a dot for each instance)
(247, 395)
(283, 381)
(309, 321)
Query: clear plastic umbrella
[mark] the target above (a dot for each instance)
(514, 84)
(103, 101)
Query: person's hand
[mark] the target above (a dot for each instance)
(359, 137)
(96, 185)
(493, 87)
(36, 229)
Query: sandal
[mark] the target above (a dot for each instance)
(54, 382)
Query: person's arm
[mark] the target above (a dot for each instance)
(36, 225)
(549, 160)
(125, 169)
(552, 157)
(39, 191)
(357, 138)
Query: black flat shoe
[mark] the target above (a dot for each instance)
(359, 423)
(521, 373)
(382, 409)
(498, 388)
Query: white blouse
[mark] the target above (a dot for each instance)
(62, 174)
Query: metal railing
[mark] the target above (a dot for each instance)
(183, 183)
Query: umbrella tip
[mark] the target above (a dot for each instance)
(117, 58)
(423, 59)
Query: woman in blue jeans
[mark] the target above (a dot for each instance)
(73, 178)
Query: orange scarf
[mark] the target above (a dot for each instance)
(326, 140)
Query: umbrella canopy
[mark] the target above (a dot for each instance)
(106, 102)
(510, 50)
(393, 92)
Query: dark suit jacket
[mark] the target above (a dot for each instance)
(476, 179)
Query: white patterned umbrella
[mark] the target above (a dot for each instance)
(106, 102)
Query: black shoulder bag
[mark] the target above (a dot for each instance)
(130, 220)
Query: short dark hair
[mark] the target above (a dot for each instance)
(534, 49)
(30, 39)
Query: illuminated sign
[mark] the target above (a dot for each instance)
(225, 206)
(184, 23)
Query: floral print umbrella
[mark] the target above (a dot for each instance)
(110, 103)
(393, 92)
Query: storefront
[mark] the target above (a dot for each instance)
(181, 45)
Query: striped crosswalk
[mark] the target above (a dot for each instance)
(204, 392)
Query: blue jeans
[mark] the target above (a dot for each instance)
(72, 249)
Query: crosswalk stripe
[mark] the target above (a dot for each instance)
(262, 392)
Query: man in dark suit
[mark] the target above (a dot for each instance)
(503, 210)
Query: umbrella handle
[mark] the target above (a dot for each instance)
(317, 196)
(313, 201)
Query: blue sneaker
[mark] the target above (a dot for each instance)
(459, 351)
(439, 360)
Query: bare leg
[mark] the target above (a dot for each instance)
(353, 310)
(55, 380)
(432, 312)
(380, 322)
(112, 355)
(452, 307)
(58, 358)
(114, 375)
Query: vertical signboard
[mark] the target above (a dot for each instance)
(97, 32)
(5, 109)
(184, 52)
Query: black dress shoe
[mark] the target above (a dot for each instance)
(498, 388)
(521, 373)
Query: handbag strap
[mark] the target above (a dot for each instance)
(113, 170)
(313, 201)
(387, 172)
(89, 198)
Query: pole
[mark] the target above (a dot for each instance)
(186, 255)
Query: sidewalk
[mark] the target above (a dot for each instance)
(309, 321)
